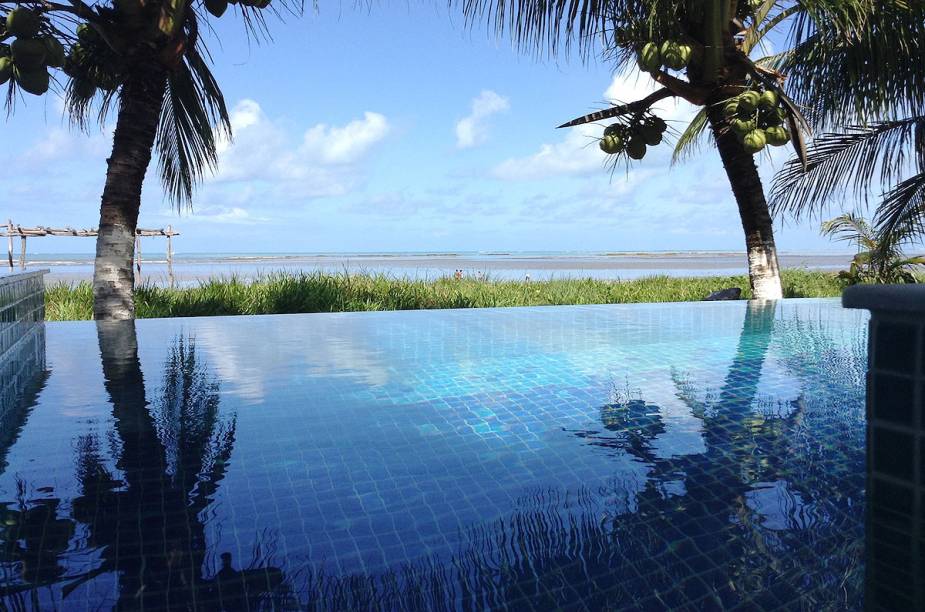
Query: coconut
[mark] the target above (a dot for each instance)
(83, 88)
(87, 33)
(28, 54)
(754, 141)
(671, 56)
(768, 99)
(217, 7)
(658, 123)
(651, 135)
(32, 81)
(636, 148)
(615, 129)
(611, 144)
(731, 109)
(6, 69)
(748, 101)
(23, 23)
(54, 52)
(741, 126)
(777, 136)
(649, 60)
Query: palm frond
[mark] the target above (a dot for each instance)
(844, 163)
(690, 139)
(855, 59)
(193, 115)
(901, 215)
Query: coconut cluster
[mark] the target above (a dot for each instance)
(27, 59)
(757, 118)
(92, 64)
(670, 54)
(634, 137)
(218, 7)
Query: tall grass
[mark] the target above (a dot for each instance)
(320, 292)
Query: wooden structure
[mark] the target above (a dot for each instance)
(10, 230)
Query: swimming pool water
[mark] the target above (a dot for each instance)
(677, 456)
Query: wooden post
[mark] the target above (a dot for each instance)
(170, 255)
(138, 254)
(9, 242)
(22, 252)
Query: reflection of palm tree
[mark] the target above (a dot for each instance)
(744, 445)
(147, 520)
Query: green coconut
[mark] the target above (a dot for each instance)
(649, 59)
(777, 136)
(636, 148)
(217, 7)
(754, 141)
(32, 81)
(768, 99)
(611, 144)
(23, 23)
(748, 101)
(6, 69)
(731, 109)
(742, 126)
(658, 123)
(782, 114)
(651, 135)
(28, 54)
(83, 88)
(671, 56)
(87, 33)
(54, 52)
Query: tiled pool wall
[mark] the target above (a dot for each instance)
(22, 336)
(895, 445)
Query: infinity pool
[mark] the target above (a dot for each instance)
(685, 456)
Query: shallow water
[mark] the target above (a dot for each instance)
(687, 456)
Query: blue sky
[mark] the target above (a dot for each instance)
(396, 129)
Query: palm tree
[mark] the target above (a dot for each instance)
(859, 71)
(880, 257)
(698, 52)
(150, 63)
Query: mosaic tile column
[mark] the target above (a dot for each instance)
(895, 534)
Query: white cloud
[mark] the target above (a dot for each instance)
(322, 164)
(343, 145)
(222, 214)
(577, 153)
(471, 130)
(634, 86)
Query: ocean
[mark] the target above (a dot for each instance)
(191, 268)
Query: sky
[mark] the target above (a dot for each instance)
(397, 128)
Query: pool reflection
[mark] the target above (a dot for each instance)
(767, 514)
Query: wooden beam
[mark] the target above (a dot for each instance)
(22, 253)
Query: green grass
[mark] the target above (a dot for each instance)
(317, 292)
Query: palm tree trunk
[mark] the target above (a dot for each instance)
(763, 270)
(139, 111)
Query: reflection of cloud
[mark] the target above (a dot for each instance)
(471, 130)
(270, 348)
